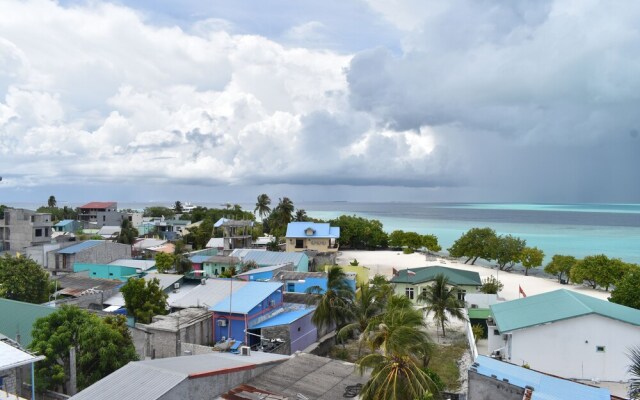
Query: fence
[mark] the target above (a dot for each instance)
(469, 333)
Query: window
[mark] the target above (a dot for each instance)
(461, 294)
(409, 292)
(46, 231)
(496, 332)
(600, 349)
(291, 287)
(299, 243)
(38, 232)
(104, 218)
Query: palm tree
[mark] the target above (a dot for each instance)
(333, 306)
(400, 329)
(396, 376)
(52, 201)
(301, 215)
(441, 299)
(285, 208)
(634, 370)
(178, 207)
(363, 309)
(262, 206)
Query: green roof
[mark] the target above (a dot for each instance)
(17, 317)
(456, 277)
(556, 306)
(479, 313)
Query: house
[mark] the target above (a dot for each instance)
(203, 376)
(304, 376)
(411, 282)
(235, 234)
(320, 237)
(68, 225)
(288, 331)
(22, 228)
(100, 213)
(491, 379)
(300, 282)
(166, 333)
(107, 271)
(17, 318)
(215, 265)
(109, 232)
(245, 307)
(592, 335)
(90, 251)
(264, 258)
(264, 273)
(141, 265)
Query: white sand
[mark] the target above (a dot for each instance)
(382, 262)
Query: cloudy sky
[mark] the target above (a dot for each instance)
(374, 100)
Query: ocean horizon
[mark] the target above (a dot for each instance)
(571, 229)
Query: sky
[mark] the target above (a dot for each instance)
(350, 100)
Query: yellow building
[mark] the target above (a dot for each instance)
(320, 237)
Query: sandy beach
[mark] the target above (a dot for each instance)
(382, 262)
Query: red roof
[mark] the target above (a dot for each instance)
(99, 204)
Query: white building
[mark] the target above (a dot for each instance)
(567, 334)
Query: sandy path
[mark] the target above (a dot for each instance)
(382, 262)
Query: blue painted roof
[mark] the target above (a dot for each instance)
(247, 297)
(285, 318)
(270, 257)
(320, 230)
(76, 248)
(261, 270)
(199, 259)
(64, 222)
(546, 387)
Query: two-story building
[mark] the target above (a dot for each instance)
(413, 281)
(22, 228)
(90, 251)
(320, 237)
(100, 213)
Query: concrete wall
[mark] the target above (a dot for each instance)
(110, 218)
(576, 340)
(24, 228)
(103, 253)
(488, 388)
(39, 253)
(105, 271)
(303, 333)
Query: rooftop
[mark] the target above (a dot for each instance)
(546, 387)
(209, 294)
(312, 229)
(265, 269)
(556, 306)
(182, 318)
(247, 297)
(64, 222)
(426, 274)
(79, 283)
(292, 313)
(264, 258)
(12, 356)
(99, 205)
(296, 276)
(76, 248)
(232, 223)
(141, 264)
(17, 318)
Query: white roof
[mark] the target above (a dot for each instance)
(146, 243)
(141, 264)
(108, 230)
(12, 357)
(215, 242)
(210, 294)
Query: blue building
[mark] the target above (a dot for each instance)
(263, 258)
(299, 282)
(264, 273)
(67, 225)
(250, 304)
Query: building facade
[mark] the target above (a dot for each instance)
(411, 282)
(305, 236)
(21, 228)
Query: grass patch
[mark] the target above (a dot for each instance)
(444, 362)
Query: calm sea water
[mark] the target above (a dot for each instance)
(573, 229)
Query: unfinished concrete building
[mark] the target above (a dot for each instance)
(22, 228)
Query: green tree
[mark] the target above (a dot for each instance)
(177, 207)
(164, 262)
(333, 305)
(634, 370)
(531, 257)
(627, 290)
(507, 251)
(442, 300)
(128, 233)
(262, 206)
(431, 243)
(473, 244)
(598, 270)
(396, 239)
(144, 299)
(158, 212)
(301, 215)
(412, 240)
(560, 266)
(362, 310)
(52, 203)
(101, 347)
(360, 233)
(22, 279)
(491, 285)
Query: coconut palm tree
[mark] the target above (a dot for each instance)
(52, 202)
(177, 207)
(634, 370)
(441, 299)
(333, 305)
(395, 376)
(262, 205)
(301, 215)
(363, 309)
(398, 330)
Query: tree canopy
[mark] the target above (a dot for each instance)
(52, 201)
(531, 257)
(441, 300)
(560, 266)
(491, 285)
(164, 262)
(507, 251)
(128, 233)
(360, 233)
(22, 279)
(627, 290)
(144, 299)
(475, 243)
(333, 305)
(102, 346)
(262, 206)
(598, 270)
(158, 211)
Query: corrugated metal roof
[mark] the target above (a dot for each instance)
(141, 264)
(296, 276)
(426, 274)
(11, 357)
(76, 283)
(76, 248)
(209, 294)
(546, 387)
(265, 258)
(198, 259)
(285, 318)
(247, 297)
(555, 306)
(146, 243)
(109, 230)
(64, 222)
(264, 269)
(17, 317)
(318, 230)
(215, 242)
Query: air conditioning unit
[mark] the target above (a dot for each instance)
(245, 350)
(222, 322)
(203, 281)
(176, 286)
(474, 306)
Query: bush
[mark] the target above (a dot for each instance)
(407, 250)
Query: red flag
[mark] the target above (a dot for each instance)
(521, 291)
